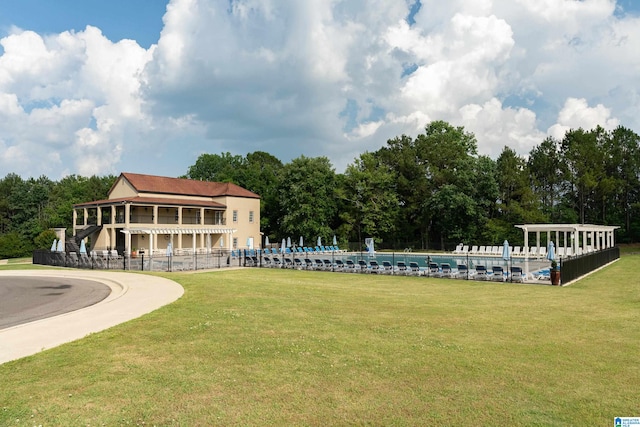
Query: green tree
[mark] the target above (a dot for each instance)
(223, 167)
(307, 198)
(261, 174)
(583, 168)
(545, 171)
(447, 155)
(44, 239)
(371, 208)
(400, 156)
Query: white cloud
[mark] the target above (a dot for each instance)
(67, 101)
(577, 114)
(317, 77)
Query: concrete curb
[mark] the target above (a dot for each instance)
(132, 295)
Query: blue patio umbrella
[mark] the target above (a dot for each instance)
(54, 246)
(335, 241)
(266, 241)
(83, 247)
(283, 245)
(169, 249)
(319, 243)
(222, 241)
(301, 242)
(506, 251)
(288, 242)
(60, 247)
(370, 246)
(551, 253)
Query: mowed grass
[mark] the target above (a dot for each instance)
(281, 347)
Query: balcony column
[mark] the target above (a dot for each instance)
(155, 215)
(153, 243)
(85, 213)
(127, 212)
(99, 215)
(179, 215)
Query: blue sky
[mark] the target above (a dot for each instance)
(140, 20)
(293, 78)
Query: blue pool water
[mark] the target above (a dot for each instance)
(423, 260)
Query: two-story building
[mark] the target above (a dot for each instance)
(154, 213)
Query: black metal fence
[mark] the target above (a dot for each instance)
(110, 260)
(575, 267)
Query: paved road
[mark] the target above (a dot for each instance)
(129, 295)
(25, 299)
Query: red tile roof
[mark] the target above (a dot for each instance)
(185, 187)
(160, 201)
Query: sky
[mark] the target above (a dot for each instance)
(93, 87)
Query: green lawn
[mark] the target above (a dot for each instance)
(273, 347)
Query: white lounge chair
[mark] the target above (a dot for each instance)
(497, 273)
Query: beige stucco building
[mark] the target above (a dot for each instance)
(155, 214)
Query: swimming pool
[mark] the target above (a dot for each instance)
(423, 259)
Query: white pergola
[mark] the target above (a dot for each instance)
(572, 239)
(203, 233)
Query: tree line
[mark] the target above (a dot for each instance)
(428, 192)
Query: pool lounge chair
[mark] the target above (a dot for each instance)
(319, 265)
(350, 266)
(446, 269)
(328, 265)
(297, 262)
(497, 273)
(402, 268)
(375, 267)
(458, 249)
(308, 264)
(433, 270)
(364, 268)
(481, 273)
(463, 272)
(288, 263)
(474, 250)
(276, 262)
(387, 268)
(516, 275)
(338, 265)
(482, 250)
(414, 269)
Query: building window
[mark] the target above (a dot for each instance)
(235, 243)
(219, 219)
(235, 216)
(250, 216)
